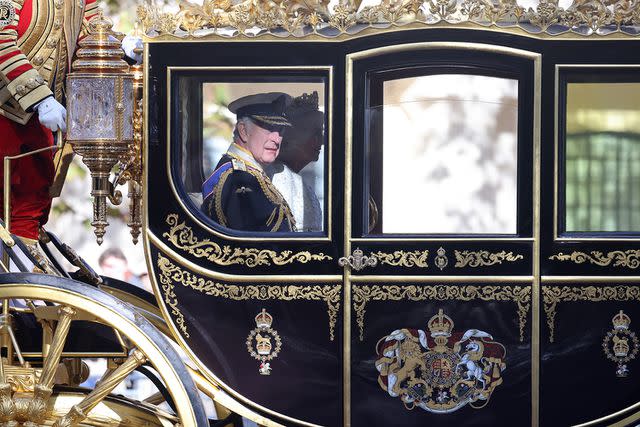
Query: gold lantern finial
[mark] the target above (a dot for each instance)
(100, 51)
(100, 112)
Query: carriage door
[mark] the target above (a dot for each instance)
(589, 252)
(441, 235)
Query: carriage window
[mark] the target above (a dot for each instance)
(443, 155)
(252, 151)
(602, 157)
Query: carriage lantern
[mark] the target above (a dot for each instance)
(100, 102)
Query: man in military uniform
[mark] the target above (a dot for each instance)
(238, 194)
(37, 42)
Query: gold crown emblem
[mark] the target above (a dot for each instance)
(621, 321)
(263, 345)
(440, 324)
(264, 319)
(620, 347)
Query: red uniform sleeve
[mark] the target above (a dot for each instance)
(90, 10)
(24, 82)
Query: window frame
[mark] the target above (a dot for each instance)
(499, 64)
(581, 73)
(230, 74)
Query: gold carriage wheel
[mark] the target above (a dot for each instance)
(149, 345)
(223, 402)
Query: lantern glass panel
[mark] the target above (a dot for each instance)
(127, 114)
(92, 108)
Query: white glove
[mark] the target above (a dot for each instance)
(52, 114)
(129, 43)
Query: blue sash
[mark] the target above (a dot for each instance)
(212, 181)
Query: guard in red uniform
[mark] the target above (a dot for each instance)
(37, 42)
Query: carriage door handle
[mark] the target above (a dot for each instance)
(358, 260)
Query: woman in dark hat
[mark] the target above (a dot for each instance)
(301, 145)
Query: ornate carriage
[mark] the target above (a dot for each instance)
(476, 257)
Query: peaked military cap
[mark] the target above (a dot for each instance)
(267, 109)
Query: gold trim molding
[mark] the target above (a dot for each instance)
(21, 379)
(299, 18)
(552, 295)
(181, 236)
(629, 258)
(521, 295)
(402, 258)
(171, 274)
(483, 258)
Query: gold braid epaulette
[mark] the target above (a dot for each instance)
(217, 198)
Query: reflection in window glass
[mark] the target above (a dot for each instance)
(602, 157)
(262, 155)
(449, 155)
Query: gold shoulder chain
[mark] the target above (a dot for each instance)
(217, 198)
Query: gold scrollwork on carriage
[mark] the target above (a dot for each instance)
(21, 379)
(483, 258)
(552, 295)
(181, 236)
(403, 258)
(302, 18)
(629, 258)
(521, 295)
(171, 274)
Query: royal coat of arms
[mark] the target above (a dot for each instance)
(440, 370)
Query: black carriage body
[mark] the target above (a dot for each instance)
(548, 310)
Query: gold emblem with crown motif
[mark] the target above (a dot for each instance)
(263, 342)
(621, 344)
(440, 326)
(440, 370)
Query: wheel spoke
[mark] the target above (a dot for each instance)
(79, 411)
(42, 391)
(155, 399)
